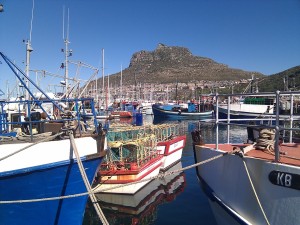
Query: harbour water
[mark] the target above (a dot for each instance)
(175, 200)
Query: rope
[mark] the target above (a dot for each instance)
(28, 146)
(266, 139)
(256, 196)
(86, 182)
(94, 189)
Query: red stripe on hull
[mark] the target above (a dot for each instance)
(131, 180)
(167, 144)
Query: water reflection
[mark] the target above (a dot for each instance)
(140, 208)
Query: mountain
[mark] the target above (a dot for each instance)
(285, 80)
(167, 63)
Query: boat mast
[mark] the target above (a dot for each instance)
(107, 92)
(103, 85)
(121, 82)
(67, 53)
(28, 51)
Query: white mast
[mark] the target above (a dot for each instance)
(67, 53)
(121, 82)
(108, 92)
(28, 51)
(103, 85)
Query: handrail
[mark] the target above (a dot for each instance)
(278, 120)
(5, 123)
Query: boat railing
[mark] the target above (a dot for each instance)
(278, 122)
(39, 116)
(162, 132)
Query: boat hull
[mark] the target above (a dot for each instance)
(122, 114)
(48, 177)
(117, 181)
(159, 111)
(244, 111)
(46, 182)
(227, 180)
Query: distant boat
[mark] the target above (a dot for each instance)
(255, 181)
(250, 107)
(41, 153)
(125, 109)
(194, 111)
(122, 114)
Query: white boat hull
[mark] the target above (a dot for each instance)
(43, 153)
(227, 179)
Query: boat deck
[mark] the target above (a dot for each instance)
(289, 152)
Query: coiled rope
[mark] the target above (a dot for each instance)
(266, 140)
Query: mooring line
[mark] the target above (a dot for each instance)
(94, 189)
(254, 191)
(86, 181)
(161, 175)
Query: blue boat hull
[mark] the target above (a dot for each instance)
(159, 111)
(54, 180)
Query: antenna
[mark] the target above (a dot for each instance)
(68, 25)
(31, 20)
(67, 51)
(63, 22)
(28, 51)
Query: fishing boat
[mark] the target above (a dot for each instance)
(47, 161)
(176, 111)
(129, 161)
(250, 107)
(137, 154)
(142, 205)
(257, 181)
(124, 109)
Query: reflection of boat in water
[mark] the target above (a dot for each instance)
(138, 208)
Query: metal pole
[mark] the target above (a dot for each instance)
(291, 117)
(228, 118)
(277, 128)
(217, 121)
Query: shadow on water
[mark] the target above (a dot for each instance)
(190, 206)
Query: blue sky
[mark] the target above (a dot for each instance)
(253, 35)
